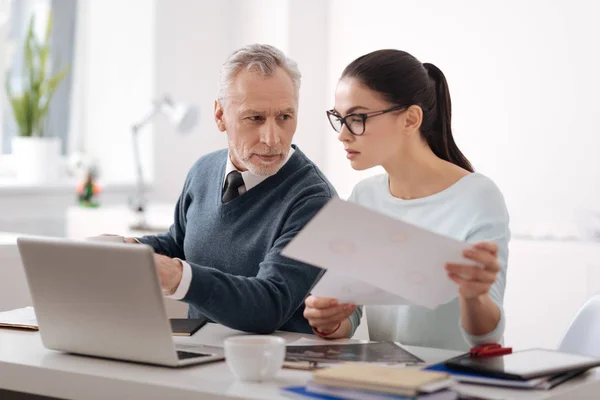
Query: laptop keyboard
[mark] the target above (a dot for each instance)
(184, 355)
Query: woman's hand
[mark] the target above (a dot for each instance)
(476, 281)
(327, 315)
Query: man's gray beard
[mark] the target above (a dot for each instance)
(259, 171)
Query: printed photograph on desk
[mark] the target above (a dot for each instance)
(380, 352)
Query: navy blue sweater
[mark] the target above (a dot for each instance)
(239, 277)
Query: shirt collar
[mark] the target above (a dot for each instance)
(250, 179)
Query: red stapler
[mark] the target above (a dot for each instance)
(489, 350)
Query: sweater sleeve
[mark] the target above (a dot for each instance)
(492, 226)
(355, 320)
(170, 243)
(263, 303)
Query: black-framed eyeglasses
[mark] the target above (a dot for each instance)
(355, 122)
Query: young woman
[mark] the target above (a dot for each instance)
(392, 110)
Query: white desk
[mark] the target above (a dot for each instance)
(26, 366)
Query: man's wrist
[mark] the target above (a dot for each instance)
(177, 275)
(342, 331)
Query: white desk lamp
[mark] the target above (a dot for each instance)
(184, 118)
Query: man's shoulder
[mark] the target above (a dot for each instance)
(215, 158)
(308, 178)
(206, 169)
(211, 162)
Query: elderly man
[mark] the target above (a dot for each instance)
(241, 206)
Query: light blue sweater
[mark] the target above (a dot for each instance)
(471, 210)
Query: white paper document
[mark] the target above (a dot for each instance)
(19, 318)
(346, 289)
(384, 253)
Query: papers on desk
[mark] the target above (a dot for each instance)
(373, 352)
(375, 259)
(22, 318)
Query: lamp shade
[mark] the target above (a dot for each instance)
(184, 117)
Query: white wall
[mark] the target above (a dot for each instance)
(523, 79)
(192, 39)
(117, 70)
(262, 21)
(309, 26)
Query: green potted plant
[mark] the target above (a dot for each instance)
(36, 155)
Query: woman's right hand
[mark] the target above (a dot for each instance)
(326, 315)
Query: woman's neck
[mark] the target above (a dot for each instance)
(420, 173)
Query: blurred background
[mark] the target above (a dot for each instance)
(523, 75)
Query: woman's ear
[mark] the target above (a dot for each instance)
(413, 117)
(219, 116)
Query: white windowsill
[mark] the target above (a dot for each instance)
(14, 187)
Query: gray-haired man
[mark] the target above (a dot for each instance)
(240, 206)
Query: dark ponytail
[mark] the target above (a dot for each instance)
(402, 80)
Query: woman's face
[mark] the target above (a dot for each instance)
(383, 137)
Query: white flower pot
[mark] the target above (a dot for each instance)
(36, 159)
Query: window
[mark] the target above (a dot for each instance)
(62, 39)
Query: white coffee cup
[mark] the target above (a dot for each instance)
(112, 239)
(254, 358)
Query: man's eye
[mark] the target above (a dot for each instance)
(255, 118)
(285, 116)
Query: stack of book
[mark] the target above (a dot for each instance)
(540, 369)
(360, 381)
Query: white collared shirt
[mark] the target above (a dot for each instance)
(250, 180)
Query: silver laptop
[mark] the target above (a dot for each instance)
(102, 299)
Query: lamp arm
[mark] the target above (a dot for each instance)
(139, 200)
(153, 113)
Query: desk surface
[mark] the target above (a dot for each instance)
(8, 238)
(25, 365)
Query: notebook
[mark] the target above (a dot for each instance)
(186, 326)
(327, 393)
(25, 318)
(350, 394)
(544, 383)
(376, 378)
(21, 318)
(524, 365)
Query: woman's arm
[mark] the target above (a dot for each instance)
(482, 318)
(480, 315)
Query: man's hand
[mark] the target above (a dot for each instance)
(327, 315)
(125, 239)
(169, 272)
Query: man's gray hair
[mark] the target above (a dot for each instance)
(261, 58)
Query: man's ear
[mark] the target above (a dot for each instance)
(413, 118)
(219, 116)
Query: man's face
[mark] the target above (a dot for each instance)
(259, 115)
